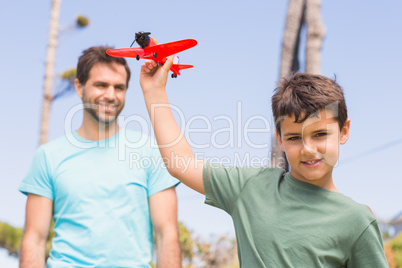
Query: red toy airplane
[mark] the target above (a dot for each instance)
(149, 49)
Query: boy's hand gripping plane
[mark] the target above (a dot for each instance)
(150, 49)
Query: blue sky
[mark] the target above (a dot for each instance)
(236, 69)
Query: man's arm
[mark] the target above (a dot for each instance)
(38, 217)
(175, 150)
(163, 208)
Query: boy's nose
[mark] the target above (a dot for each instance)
(309, 147)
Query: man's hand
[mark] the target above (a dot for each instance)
(37, 224)
(154, 76)
(163, 209)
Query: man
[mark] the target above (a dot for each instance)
(102, 203)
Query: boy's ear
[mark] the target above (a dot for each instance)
(345, 132)
(278, 137)
(78, 88)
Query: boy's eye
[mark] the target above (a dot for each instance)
(321, 134)
(295, 138)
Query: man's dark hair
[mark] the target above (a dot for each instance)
(303, 95)
(95, 55)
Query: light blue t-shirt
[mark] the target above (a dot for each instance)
(100, 191)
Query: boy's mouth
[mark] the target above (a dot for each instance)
(312, 162)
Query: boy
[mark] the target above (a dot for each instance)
(295, 219)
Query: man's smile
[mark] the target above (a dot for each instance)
(107, 107)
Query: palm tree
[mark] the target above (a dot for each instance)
(48, 97)
(49, 71)
(299, 13)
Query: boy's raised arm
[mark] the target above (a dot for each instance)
(175, 150)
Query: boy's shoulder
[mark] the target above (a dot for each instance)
(360, 213)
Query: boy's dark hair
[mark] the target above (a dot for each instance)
(303, 94)
(94, 55)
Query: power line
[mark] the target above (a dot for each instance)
(372, 151)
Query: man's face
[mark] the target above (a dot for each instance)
(104, 92)
(312, 147)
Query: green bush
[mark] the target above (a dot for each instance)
(10, 238)
(395, 245)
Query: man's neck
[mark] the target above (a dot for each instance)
(91, 130)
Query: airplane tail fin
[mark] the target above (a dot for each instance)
(177, 67)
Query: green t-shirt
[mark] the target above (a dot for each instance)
(283, 222)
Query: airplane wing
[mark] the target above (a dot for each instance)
(167, 49)
(126, 52)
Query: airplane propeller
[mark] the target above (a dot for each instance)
(149, 49)
(142, 39)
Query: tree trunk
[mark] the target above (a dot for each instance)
(291, 37)
(49, 72)
(299, 12)
(289, 63)
(315, 35)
